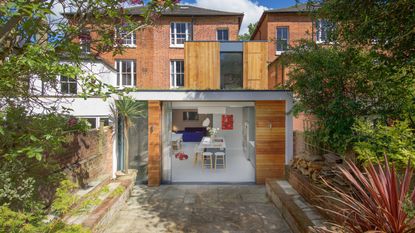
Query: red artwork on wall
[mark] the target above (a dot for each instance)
(227, 122)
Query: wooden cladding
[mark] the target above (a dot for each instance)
(270, 140)
(202, 65)
(255, 66)
(154, 143)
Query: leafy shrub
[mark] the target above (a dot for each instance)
(23, 222)
(379, 201)
(64, 197)
(29, 146)
(374, 141)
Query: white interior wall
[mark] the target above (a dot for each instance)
(233, 137)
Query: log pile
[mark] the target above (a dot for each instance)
(317, 167)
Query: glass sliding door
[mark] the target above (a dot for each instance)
(167, 150)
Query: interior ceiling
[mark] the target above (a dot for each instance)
(195, 105)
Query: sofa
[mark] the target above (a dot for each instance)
(194, 134)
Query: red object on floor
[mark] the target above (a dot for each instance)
(181, 156)
(227, 122)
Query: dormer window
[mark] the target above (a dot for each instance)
(179, 33)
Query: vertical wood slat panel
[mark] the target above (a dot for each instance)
(154, 143)
(270, 141)
(255, 65)
(202, 65)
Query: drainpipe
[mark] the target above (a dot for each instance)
(193, 22)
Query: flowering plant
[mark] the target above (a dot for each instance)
(212, 131)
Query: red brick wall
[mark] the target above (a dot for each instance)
(299, 26)
(153, 52)
(88, 156)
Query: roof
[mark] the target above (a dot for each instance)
(186, 10)
(292, 9)
(298, 8)
(180, 10)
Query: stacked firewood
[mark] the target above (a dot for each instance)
(317, 167)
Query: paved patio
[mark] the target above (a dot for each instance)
(199, 208)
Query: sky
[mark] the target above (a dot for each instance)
(252, 8)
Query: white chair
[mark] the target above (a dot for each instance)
(207, 161)
(198, 153)
(220, 160)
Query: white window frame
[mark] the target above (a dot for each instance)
(173, 33)
(221, 29)
(85, 44)
(319, 32)
(279, 52)
(118, 67)
(69, 82)
(174, 74)
(131, 36)
(97, 120)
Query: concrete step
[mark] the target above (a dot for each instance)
(98, 205)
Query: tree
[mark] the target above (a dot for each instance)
(127, 109)
(33, 40)
(251, 30)
(366, 73)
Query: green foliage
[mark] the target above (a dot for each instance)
(251, 30)
(376, 25)
(64, 197)
(118, 191)
(375, 141)
(23, 222)
(127, 109)
(29, 148)
(34, 135)
(339, 85)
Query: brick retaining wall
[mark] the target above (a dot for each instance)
(88, 156)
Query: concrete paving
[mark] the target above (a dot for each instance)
(199, 208)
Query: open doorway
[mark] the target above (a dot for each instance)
(208, 142)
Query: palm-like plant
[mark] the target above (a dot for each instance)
(379, 201)
(127, 109)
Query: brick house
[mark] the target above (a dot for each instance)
(283, 28)
(212, 113)
(153, 53)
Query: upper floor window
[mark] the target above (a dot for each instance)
(177, 73)
(128, 39)
(69, 86)
(323, 28)
(126, 72)
(231, 70)
(282, 39)
(179, 33)
(222, 34)
(85, 41)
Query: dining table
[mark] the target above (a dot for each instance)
(217, 143)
